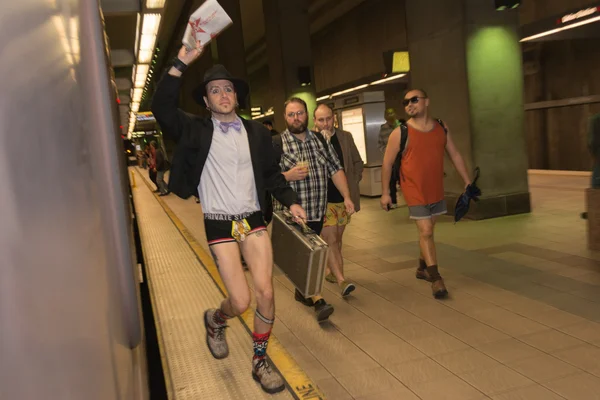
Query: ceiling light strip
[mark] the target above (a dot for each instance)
(563, 28)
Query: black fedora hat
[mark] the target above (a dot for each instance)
(218, 72)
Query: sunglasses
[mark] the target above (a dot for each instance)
(412, 100)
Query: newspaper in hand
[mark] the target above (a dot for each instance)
(205, 24)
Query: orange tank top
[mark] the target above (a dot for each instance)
(422, 168)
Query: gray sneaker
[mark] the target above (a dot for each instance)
(215, 336)
(270, 380)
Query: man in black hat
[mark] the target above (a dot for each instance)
(231, 164)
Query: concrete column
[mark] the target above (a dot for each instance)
(467, 56)
(229, 49)
(288, 50)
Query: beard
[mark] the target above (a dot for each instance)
(224, 109)
(297, 128)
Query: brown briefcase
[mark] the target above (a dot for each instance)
(300, 253)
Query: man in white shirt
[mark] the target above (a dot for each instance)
(230, 163)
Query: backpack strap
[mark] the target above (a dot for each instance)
(439, 121)
(403, 140)
(403, 137)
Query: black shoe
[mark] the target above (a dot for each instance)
(307, 302)
(323, 310)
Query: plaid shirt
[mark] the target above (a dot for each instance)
(323, 163)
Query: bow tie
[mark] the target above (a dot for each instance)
(237, 125)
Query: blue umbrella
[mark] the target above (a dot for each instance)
(472, 192)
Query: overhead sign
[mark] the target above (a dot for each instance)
(396, 61)
(578, 15)
(401, 62)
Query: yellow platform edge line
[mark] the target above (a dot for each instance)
(300, 385)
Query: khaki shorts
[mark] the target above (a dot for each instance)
(336, 215)
(428, 211)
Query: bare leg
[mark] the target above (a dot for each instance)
(340, 235)
(334, 261)
(258, 254)
(227, 257)
(426, 243)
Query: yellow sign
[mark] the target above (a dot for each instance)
(400, 62)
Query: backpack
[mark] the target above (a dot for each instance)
(404, 139)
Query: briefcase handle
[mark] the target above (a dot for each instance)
(290, 220)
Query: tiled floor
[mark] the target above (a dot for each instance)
(522, 320)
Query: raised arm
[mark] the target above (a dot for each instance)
(171, 119)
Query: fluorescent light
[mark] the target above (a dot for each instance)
(155, 3)
(147, 42)
(377, 82)
(137, 94)
(137, 32)
(144, 56)
(563, 28)
(151, 24)
(350, 90)
(389, 78)
(141, 73)
(142, 69)
(135, 106)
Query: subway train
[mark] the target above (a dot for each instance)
(72, 324)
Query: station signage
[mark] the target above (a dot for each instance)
(586, 12)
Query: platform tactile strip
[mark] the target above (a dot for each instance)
(181, 291)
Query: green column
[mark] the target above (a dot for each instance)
(467, 56)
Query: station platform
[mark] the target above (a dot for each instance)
(521, 322)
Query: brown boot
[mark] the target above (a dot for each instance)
(422, 271)
(437, 283)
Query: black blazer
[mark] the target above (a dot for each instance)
(193, 135)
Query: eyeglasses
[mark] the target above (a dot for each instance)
(295, 114)
(413, 100)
